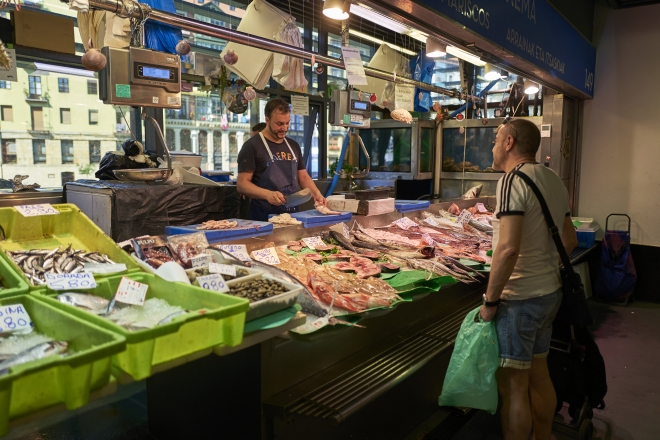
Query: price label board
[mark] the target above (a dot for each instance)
(14, 318)
(464, 217)
(237, 250)
(222, 269)
(35, 210)
(131, 292)
(405, 223)
(213, 282)
(312, 242)
(268, 256)
(201, 260)
(481, 208)
(70, 281)
(431, 222)
(427, 238)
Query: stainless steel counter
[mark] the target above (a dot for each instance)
(42, 195)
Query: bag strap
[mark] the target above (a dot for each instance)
(554, 231)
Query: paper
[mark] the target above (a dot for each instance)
(431, 222)
(237, 250)
(222, 269)
(201, 260)
(70, 281)
(35, 210)
(268, 256)
(481, 208)
(104, 268)
(131, 292)
(321, 322)
(427, 238)
(312, 242)
(340, 228)
(405, 223)
(404, 97)
(354, 67)
(14, 318)
(213, 282)
(9, 74)
(300, 105)
(464, 217)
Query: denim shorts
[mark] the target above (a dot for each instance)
(524, 329)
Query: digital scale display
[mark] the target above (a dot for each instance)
(144, 71)
(358, 105)
(155, 72)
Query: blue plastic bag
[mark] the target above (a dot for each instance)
(422, 69)
(470, 379)
(159, 36)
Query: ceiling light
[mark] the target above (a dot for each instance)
(491, 73)
(378, 40)
(336, 9)
(465, 56)
(379, 19)
(531, 88)
(504, 74)
(435, 49)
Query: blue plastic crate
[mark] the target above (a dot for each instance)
(246, 229)
(313, 218)
(411, 205)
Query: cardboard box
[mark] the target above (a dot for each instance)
(361, 207)
(339, 203)
(44, 31)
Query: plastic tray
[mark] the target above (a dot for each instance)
(14, 284)
(249, 229)
(221, 322)
(70, 226)
(38, 384)
(272, 304)
(411, 205)
(313, 218)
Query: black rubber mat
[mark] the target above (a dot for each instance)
(450, 426)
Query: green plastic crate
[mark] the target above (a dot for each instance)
(39, 384)
(220, 321)
(14, 283)
(71, 225)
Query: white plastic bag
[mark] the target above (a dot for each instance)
(289, 71)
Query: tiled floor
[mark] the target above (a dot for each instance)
(628, 337)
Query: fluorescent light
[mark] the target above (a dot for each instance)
(417, 35)
(435, 49)
(336, 9)
(531, 88)
(61, 69)
(378, 40)
(465, 56)
(491, 73)
(377, 18)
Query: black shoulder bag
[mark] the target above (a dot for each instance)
(574, 309)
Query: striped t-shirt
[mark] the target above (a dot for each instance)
(537, 271)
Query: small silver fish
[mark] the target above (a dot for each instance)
(171, 316)
(40, 351)
(92, 303)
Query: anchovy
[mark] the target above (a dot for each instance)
(40, 351)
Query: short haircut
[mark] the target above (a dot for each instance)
(527, 135)
(276, 104)
(258, 127)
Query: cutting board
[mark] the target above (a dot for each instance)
(411, 205)
(313, 218)
(245, 229)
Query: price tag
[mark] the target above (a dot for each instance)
(341, 228)
(201, 260)
(312, 242)
(404, 97)
(405, 223)
(131, 292)
(431, 222)
(321, 322)
(481, 208)
(213, 282)
(70, 281)
(14, 318)
(300, 105)
(104, 268)
(268, 256)
(464, 217)
(353, 66)
(427, 238)
(237, 250)
(222, 269)
(35, 210)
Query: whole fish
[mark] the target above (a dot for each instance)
(343, 241)
(310, 305)
(473, 192)
(92, 303)
(397, 245)
(364, 237)
(459, 265)
(405, 255)
(40, 351)
(481, 226)
(366, 245)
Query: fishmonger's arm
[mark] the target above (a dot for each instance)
(245, 186)
(505, 255)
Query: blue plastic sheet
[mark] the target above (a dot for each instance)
(159, 36)
(422, 69)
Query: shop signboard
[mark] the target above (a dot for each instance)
(531, 29)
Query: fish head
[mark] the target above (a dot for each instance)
(59, 346)
(67, 299)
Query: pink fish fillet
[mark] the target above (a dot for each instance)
(325, 210)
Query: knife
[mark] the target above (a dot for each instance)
(298, 198)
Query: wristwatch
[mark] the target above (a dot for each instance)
(487, 303)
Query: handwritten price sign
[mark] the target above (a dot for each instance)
(35, 210)
(237, 250)
(131, 292)
(431, 222)
(14, 318)
(222, 269)
(405, 223)
(268, 256)
(212, 282)
(70, 281)
(201, 260)
(312, 242)
(427, 238)
(481, 208)
(464, 217)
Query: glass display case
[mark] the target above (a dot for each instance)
(399, 150)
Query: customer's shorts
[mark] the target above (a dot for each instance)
(524, 329)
